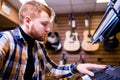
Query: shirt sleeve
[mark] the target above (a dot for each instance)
(3, 47)
(60, 71)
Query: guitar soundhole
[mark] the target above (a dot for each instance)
(89, 35)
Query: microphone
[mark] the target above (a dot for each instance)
(109, 21)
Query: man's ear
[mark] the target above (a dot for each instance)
(27, 20)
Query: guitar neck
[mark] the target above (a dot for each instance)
(72, 23)
(52, 20)
(72, 31)
(81, 58)
(62, 62)
(52, 24)
(89, 33)
(63, 59)
(88, 25)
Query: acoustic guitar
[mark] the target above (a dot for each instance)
(71, 42)
(53, 42)
(87, 38)
(87, 42)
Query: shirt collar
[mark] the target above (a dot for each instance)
(26, 37)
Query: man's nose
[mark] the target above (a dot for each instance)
(48, 29)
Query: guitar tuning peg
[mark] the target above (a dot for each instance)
(81, 58)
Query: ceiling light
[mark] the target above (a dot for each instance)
(23, 1)
(102, 1)
(41, 1)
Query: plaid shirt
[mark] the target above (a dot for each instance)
(13, 58)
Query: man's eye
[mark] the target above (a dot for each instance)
(44, 24)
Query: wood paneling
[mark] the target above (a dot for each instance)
(10, 20)
(101, 56)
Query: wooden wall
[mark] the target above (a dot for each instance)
(8, 17)
(100, 56)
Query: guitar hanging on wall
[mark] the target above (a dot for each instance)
(53, 42)
(71, 42)
(87, 37)
(111, 42)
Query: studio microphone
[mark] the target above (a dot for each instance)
(109, 7)
(109, 22)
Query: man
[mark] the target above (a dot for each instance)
(23, 56)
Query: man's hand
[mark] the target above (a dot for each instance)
(87, 67)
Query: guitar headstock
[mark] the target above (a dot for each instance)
(87, 20)
(72, 21)
(63, 59)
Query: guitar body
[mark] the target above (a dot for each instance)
(71, 42)
(53, 37)
(53, 42)
(87, 42)
(111, 42)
